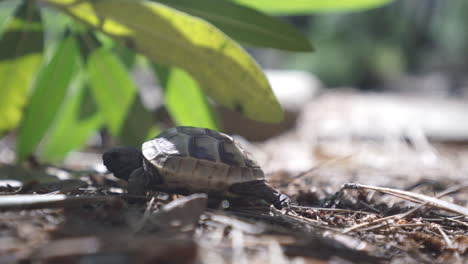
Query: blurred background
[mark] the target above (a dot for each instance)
(394, 73)
(377, 49)
(391, 70)
(382, 100)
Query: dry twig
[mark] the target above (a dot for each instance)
(418, 198)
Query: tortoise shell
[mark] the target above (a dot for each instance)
(198, 159)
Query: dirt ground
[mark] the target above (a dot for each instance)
(387, 195)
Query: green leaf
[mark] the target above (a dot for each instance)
(245, 24)
(112, 87)
(128, 57)
(298, 7)
(139, 125)
(186, 102)
(167, 36)
(47, 95)
(20, 57)
(71, 129)
(6, 10)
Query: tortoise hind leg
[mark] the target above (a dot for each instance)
(262, 190)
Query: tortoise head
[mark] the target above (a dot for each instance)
(122, 161)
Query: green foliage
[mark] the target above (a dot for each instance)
(7, 9)
(74, 124)
(112, 87)
(300, 7)
(21, 45)
(221, 67)
(47, 95)
(85, 83)
(184, 99)
(245, 24)
(139, 125)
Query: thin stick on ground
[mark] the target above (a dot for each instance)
(403, 215)
(418, 198)
(446, 238)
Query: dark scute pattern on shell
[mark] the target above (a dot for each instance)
(249, 160)
(226, 155)
(198, 143)
(198, 150)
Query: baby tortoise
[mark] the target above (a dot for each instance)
(185, 160)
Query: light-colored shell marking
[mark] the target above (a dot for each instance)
(199, 159)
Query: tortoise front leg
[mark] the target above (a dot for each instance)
(137, 182)
(262, 190)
